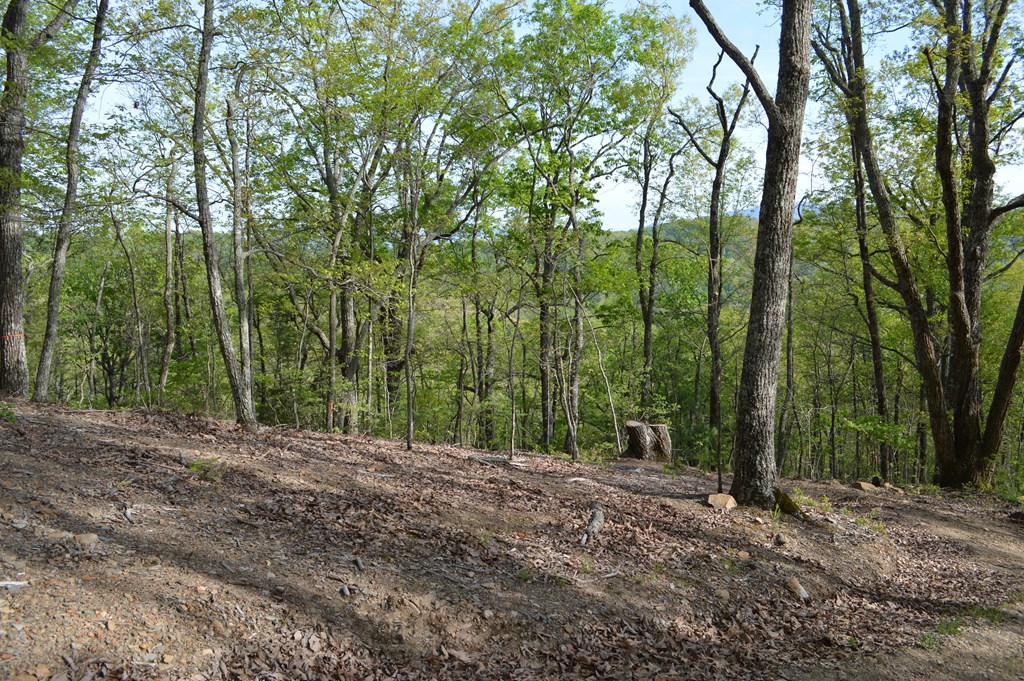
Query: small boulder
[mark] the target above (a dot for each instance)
(864, 486)
(722, 502)
(780, 539)
(87, 540)
(797, 589)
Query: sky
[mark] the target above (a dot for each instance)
(748, 25)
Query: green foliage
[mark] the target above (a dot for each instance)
(821, 504)
(994, 613)
(207, 468)
(525, 574)
(7, 412)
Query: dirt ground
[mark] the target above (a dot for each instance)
(167, 546)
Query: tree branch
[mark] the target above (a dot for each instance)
(744, 65)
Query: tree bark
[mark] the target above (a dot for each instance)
(755, 478)
(60, 249)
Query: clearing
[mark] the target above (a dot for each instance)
(167, 546)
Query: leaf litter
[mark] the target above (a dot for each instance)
(156, 545)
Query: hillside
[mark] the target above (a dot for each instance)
(167, 546)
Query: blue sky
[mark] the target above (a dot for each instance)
(748, 24)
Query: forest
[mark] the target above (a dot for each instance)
(385, 218)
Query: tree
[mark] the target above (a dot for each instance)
(238, 375)
(60, 248)
(755, 479)
(727, 122)
(18, 47)
(970, 91)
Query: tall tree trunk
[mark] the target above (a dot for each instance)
(60, 248)
(169, 310)
(18, 48)
(245, 411)
(871, 309)
(755, 479)
(644, 274)
(787, 400)
(546, 303)
(142, 382)
(572, 413)
(727, 122)
(239, 189)
(410, 328)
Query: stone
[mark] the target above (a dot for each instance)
(743, 555)
(722, 502)
(723, 594)
(864, 486)
(797, 589)
(780, 539)
(87, 539)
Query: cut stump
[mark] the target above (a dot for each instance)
(648, 441)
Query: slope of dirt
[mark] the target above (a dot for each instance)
(166, 546)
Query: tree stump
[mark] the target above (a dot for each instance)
(648, 441)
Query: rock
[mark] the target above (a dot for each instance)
(88, 539)
(780, 539)
(41, 671)
(722, 502)
(488, 614)
(864, 486)
(743, 555)
(785, 503)
(797, 589)
(723, 594)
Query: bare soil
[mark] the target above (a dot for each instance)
(168, 546)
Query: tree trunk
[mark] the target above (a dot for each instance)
(648, 441)
(245, 412)
(572, 412)
(755, 477)
(871, 309)
(545, 293)
(142, 382)
(13, 365)
(169, 310)
(787, 400)
(60, 249)
(241, 256)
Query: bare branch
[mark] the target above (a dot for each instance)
(744, 64)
